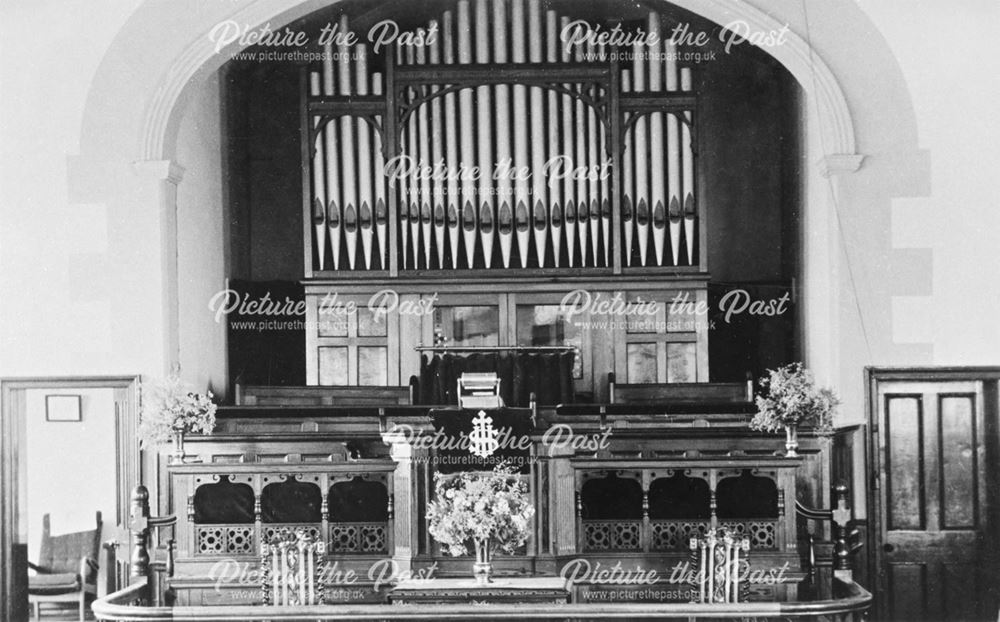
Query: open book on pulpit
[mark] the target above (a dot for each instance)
(479, 390)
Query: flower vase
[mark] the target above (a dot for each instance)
(791, 441)
(177, 457)
(482, 569)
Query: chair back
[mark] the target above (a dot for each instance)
(62, 553)
(292, 569)
(718, 566)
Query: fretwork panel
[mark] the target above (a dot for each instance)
(224, 539)
(674, 535)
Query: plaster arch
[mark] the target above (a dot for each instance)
(197, 57)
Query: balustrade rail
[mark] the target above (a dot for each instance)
(850, 604)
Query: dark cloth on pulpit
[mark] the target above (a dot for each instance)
(548, 375)
(513, 424)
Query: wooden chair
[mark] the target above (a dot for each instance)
(67, 568)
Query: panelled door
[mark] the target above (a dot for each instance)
(936, 557)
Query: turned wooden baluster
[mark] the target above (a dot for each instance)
(139, 526)
(841, 517)
(142, 565)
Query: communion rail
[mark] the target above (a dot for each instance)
(851, 605)
(142, 600)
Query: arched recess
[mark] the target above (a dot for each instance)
(200, 57)
(141, 122)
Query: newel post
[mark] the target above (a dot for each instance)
(841, 516)
(567, 533)
(403, 496)
(139, 527)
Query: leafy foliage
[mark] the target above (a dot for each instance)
(169, 407)
(793, 399)
(470, 506)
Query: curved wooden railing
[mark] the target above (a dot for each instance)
(850, 601)
(845, 541)
(851, 606)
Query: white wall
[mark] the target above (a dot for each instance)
(201, 235)
(76, 282)
(950, 57)
(82, 254)
(71, 466)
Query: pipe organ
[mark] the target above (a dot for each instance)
(503, 156)
(503, 138)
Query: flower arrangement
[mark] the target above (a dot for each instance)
(793, 399)
(488, 510)
(168, 408)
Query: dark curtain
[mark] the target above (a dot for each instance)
(275, 355)
(611, 497)
(223, 503)
(747, 342)
(358, 500)
(548, 375)
(290, 501)
(746, 496)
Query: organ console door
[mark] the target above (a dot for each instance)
(935, 444)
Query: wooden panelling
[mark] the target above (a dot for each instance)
(350, 349)
(959, 505)
(935, 543)
(908, 590)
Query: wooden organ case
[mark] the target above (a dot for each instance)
(466, 188)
